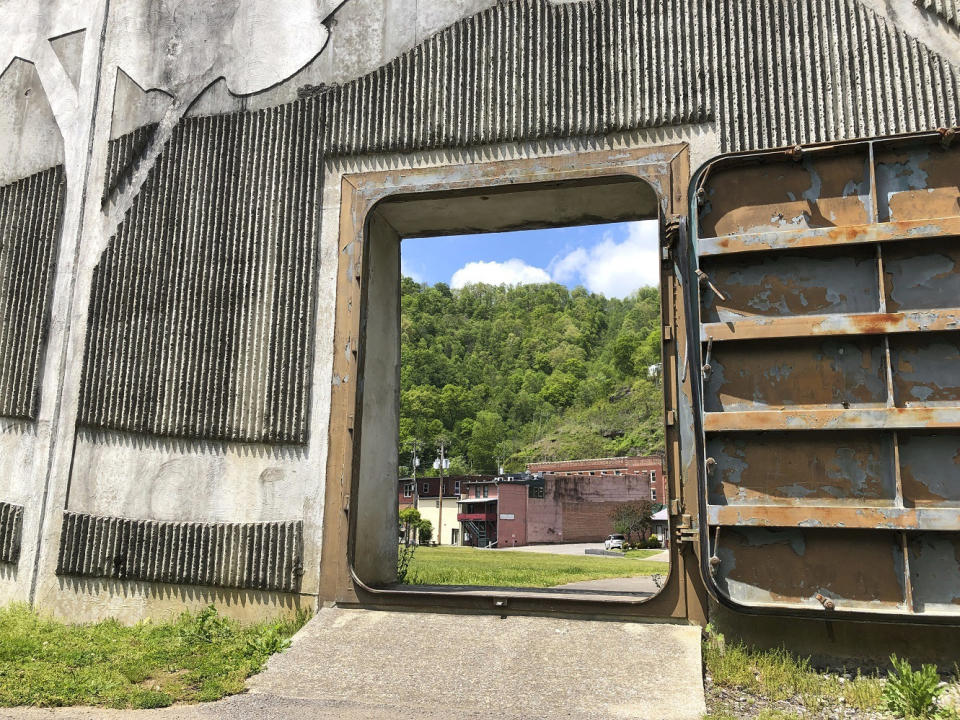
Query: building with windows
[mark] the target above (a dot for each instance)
(516, 510)
(650, 465)
(423, 493)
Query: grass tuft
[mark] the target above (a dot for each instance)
(779, 675)
(196, 658)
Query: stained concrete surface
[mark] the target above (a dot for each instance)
(643, 584)
(373, 665)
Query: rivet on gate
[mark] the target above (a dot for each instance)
(796, 153)
(711, 466)
(947, 136)
(825, 601)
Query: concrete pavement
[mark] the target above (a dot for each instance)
(374, 665)
(641, 584)
(559, 549)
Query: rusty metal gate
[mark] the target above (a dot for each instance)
(823, 317)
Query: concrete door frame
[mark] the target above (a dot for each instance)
(366, 337)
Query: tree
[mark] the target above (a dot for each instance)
(556, 366)
(560, 389)
(487, 431)
(410, 521)
(624, 348)
(633, 518)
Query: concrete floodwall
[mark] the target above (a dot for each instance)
(171, 176)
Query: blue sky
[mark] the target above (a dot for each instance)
(613, 260)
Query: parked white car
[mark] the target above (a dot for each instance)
(614, 542)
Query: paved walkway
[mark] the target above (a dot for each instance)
(565, 549)
(642, 584)
(372, 665)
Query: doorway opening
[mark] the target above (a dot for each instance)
(530, 393)
(381, 210)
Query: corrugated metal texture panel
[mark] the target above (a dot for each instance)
(254, 556)
(11, 524)
(803, 71)
(31, 211)
(200, 318)
(949, 10)
(532, 69)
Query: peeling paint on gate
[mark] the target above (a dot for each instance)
(827, 356)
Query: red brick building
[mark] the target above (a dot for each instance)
(544, 510)
(650, 465)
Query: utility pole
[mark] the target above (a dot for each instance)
(443, 448)
(415, 460)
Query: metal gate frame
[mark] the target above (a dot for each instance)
(666, 170)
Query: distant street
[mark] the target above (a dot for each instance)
(565, 549)
(575, 549)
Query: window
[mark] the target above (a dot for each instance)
(408, 490)
(486, 490)
(653, 494)
(456, 487)
(535, 492)
(426, 488)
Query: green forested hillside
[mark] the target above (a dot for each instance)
(533, 372)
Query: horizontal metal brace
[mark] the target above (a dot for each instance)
(757, 328)
(833, 516)
(829, 236)
(885, 418)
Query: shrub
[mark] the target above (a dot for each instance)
(912, 694)
(425, 532)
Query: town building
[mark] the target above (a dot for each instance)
(518, 510)
(651, 465)
(423, 493)
(661, 527)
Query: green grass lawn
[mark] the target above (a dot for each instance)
(152, 664)
(467, 566)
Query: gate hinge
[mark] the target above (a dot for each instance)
(686, 531)
(671, 233)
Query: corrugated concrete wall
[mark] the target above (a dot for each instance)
(949, 10)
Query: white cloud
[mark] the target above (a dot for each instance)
(614, 269)
(511, 272)
(407, 271)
